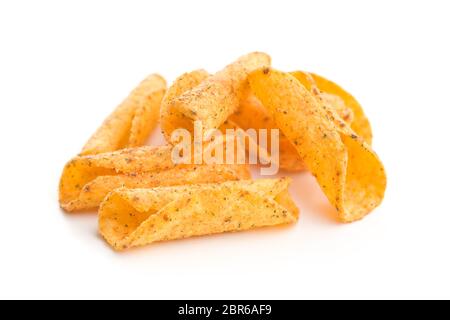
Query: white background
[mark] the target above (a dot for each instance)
(64, 65)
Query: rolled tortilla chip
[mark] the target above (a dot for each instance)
(137, 217)
(250, 144)
(84, 169)
(218, 96)
(252, 115)
(93, 192)
(171, 118)
(86, 180)
(132, 121)
(348, 170)
(335, 96)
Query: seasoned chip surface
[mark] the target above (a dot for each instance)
(347, 169)
(132, 121)
(218, 96)
(136, 217)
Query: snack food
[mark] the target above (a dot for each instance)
(349, 172)
(132, 121)
(218, 96)
(136, 217)
(253, 115)
(238, 116)
(341, 100)
(83, 169)
(171, 118)
(250, 144)
(86, 180)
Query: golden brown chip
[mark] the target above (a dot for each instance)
(132, 121)
(250, 144)
(217, 97)
(87, 179)
(93, 192)
(136, 217)
(83, 169)
(339, 99)
(172, 119)
(252, 115)
(348, 170)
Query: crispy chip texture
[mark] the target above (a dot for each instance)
(86, 180)
(343, 102)
(171, 118)
(132, 121)
(249, 143)
(348, 170)
(252, 115)
(136, 217)
(144, 196)
(218, 96)
(83, 169)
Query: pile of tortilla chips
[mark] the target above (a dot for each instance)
(143, 197)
